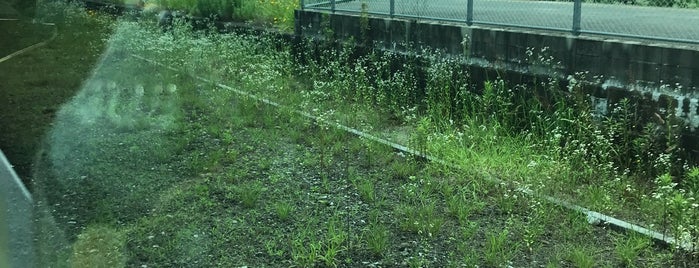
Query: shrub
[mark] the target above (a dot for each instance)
(279, 13)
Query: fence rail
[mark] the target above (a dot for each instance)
(666, 20)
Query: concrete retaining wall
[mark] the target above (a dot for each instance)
(654, 77)
(628, 63)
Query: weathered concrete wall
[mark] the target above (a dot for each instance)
(653, 76)
(628, 63)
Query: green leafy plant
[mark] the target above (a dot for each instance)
(377, 238)
(273, 249)
(421, 218)
(628, 249)
(334, 243)
(99, 246)
(581, 258)
(364, 23)
(367, 191)
(497, 251)
(461, 206)
(535, 227)
(249, 193)
(283, 210)
(305, 248)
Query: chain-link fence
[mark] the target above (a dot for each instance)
(662, 20)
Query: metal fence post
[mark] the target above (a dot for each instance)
(392, 11)
(332, 6)
(469, 12)
(303, 6)
(576, 17)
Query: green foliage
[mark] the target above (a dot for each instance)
(670, 3)
(462, 205)
(278, 13)
(417, 262)
(402, 169)
(308, 249)
(99, 246)
(170, 241)
(467, 254)
(421, 218)
(534, 228)
(223, 9)
(232, 151)
(249, 193)
(692, 181)
(283, 210)
(498, 252)
(581, 258)
(628, 249)
(677, 208)
(377, 238)
(364, 27)
(367, 191)
(68, 12)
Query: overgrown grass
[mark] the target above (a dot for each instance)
(99, 246)
(551, 143)
(277, 13)
(191, 173)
